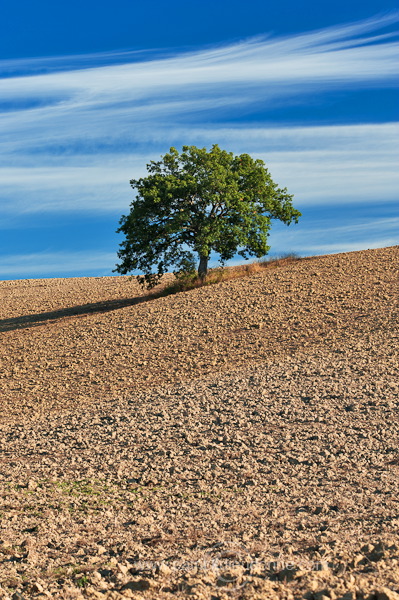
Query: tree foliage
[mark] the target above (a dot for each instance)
(197, 203)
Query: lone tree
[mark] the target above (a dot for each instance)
(199, 202)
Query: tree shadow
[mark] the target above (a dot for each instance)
(37, 319)
(34, 320)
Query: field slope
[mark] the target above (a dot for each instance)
(237, 440)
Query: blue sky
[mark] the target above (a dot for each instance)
(90, 93)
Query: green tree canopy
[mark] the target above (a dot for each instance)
(197, 202)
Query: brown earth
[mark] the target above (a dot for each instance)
(235, 441)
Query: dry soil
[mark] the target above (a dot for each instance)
(235, 441)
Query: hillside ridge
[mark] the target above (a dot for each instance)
(325, 300)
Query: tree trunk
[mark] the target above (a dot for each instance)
(203, 267)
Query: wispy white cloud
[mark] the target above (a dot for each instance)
(330, 164)
(333, 54)
(366, 244)
(46, 263)
(54, 264)
(327, 237)
(75, 130)
(70, 104)
(260, 69)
